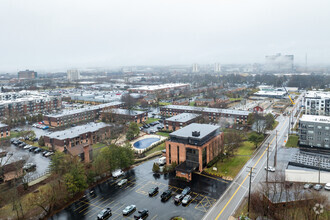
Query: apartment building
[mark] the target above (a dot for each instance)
(152, 89)
(78, 115)
(213, 114)
(193, 147)
(317, 103)
(181, 120)
(314, 131)
(124, 115)
(90, 133)
(5, 130)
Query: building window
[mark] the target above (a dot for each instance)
(169, 153)
(178, 152)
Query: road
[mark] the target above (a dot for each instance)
(235, 193)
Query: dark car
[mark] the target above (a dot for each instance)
(35, 139)
(153, 191)
(38, 150)
(22, 145)
(32, 149)
(104, 213)
(166, 195)
(142, 214)
(186, 191)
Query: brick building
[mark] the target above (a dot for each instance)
(90, 133)
(78, 115)
(181, 120)
(193, 147)
(125, 115)
(184, 101)
(27, 74)
(5, 130)
(212, 114)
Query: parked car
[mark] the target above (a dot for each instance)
(117, 173)
(32, 149)
(308, 186)
(129, 209)
(153, 191)
(26, 147)
(45, 152)
(35, 139)
(22, 145)
(104, 213)
(186, 191)
(142, 214)
(186, 200)
(49, 154)
(327, 186)
(122, 182)
(166, 195)
(270, 169)
(317, 187)
(178, 198)
(29, 166)
(36, 151)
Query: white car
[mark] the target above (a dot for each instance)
(117, 173)
(327, 186)
(49, 154)
(26, 147)
(271, 169)
(122, 182)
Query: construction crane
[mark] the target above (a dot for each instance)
(289, 95)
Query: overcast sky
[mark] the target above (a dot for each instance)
(46, 34)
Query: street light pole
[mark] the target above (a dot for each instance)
(267, 164)
(275, 156)
(319, 169)
(249, 191)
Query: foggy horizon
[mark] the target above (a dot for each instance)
(80, 34)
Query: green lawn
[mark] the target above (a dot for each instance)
(292, 141)
(155, 149)
(97, 145)
(235, 99)
(165, 134)
(275, 124)
(151, 120)
(231, 166)
(192, 103)
(165, 103)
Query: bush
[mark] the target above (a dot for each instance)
(155, 168)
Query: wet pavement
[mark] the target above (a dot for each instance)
(30, 157)
(205, 191)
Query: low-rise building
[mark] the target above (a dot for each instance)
(184, 101)
(78, 115)
(159, 88)
(181, 120)
(124, 115)
(5, 130)
(193, 147)
(314, 131)
(90, 133)
(212, 114)
(11, 171)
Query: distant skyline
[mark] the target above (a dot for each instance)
(65, 34)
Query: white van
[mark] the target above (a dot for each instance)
(162, 161)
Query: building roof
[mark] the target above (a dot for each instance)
(78, 149)
(81, 110)
(315, 118)
(120, 111)
(212, 110)
(183, 117)
(317, 95)
(270, 93)
(187, 132)
(76, 131)
(2, 125)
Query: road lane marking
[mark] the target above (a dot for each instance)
(154, 217)
(248, 174)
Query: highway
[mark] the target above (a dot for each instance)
(236, 192)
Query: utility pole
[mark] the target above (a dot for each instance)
(275, 156)
(267, 164)
(250, 173)
(319, 169)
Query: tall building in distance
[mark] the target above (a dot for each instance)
(27, 74)
(279, 63)
(195, 68)
(217, 68)
(73, 75)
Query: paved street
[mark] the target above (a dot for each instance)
(236, 192)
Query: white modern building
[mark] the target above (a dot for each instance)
(73, 75)
(195, 68)
(217, 67)
(317, 103)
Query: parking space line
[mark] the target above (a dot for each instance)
(98, 204)
(90, 204)
(82, 201)
(211, 177)
(138, 184)
(193, 199)
(154, 217)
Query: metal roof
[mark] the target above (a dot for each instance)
(183, 117)
(212, 110)
(203, 129)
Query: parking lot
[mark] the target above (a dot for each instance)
(205, 191)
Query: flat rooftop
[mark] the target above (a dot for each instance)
(270, 93)
(2, 125)
(212, 110)
(158, 87)
(183, 117)
(77, 131)
(315, 118)
(203, 129)
(120, 111)
(80, 110)
(317, 94)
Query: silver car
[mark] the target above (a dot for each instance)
(129, 209)
(186, 199)
(122, 182)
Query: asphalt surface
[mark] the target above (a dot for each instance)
(235, 193)
(205, 190)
